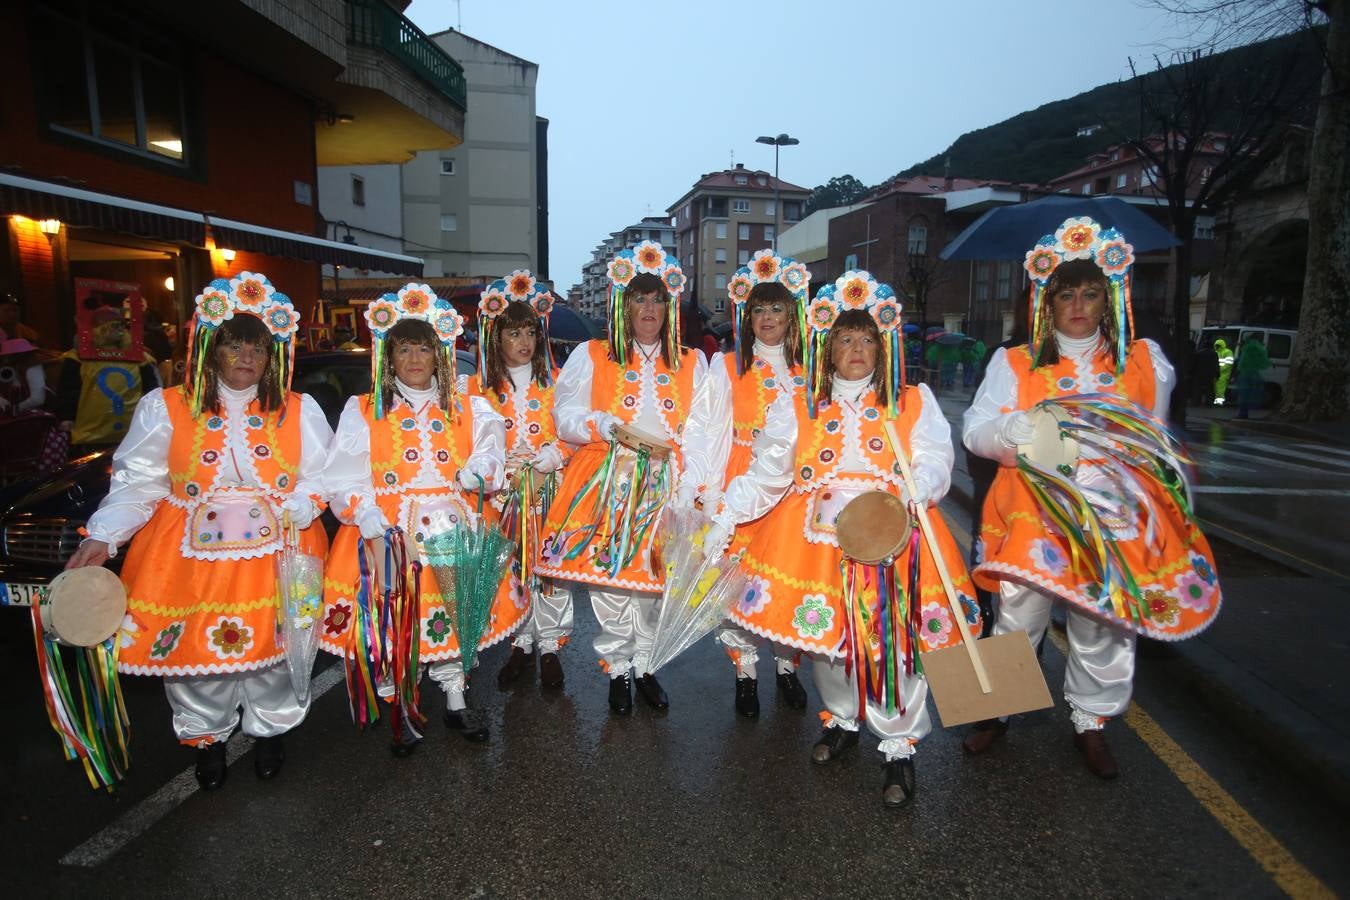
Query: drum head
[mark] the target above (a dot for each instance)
(873, 527)
(637, 439)
(85, 606)
(1050, 448)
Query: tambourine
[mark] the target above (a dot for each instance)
(1050, 447)
(873, 528)
(636, 439)
(84, 606)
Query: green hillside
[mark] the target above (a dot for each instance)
(1043, 143)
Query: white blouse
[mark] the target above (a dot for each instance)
(347, 476)
(572, 412)
(981, 425)
(140, 469)
(772, 470)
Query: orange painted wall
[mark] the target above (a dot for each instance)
(258, 140)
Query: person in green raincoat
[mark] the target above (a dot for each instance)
(1225, 370)
(1252, 361)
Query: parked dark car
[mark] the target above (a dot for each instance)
(40, 520)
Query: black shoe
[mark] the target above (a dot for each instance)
(621, 695)
(833, 741)
(791, 690)
(268, 755)
(747, 697)
(651, 692)
(550, 670)
(211, 769)
(982, 738)
(899, 787)
(403, 749)
(517, 664)
(468, 724)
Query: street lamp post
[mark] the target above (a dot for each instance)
(782, 140)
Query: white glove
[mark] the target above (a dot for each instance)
(550, 459)
(1015, 429)
(300, 510)
(716, 540)
(922, 495)
(372, 523)
(477, 467)
(685, 497)
(605, 425)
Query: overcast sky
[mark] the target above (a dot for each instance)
(868, 86)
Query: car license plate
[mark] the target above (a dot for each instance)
(12, 594)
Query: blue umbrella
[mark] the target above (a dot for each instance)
(1008, 232)
(912, 328)
(566, 324)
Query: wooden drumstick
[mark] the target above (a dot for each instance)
(926, 527)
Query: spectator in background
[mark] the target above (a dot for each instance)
(1252, 361)
(344, 340)
(97, 397)
(10, 325)
(1204, 373)
(1225, 371)
(711, 345)
(972, 359)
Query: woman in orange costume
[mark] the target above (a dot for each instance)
(769, 303)
(404, 456)
(1081, 344)
(210, 469)
(602, 522)
(516, 376)
(862, 625)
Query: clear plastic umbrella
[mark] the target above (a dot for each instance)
(699, 592)
(299, 599)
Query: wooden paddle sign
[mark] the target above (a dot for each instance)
(998, 676)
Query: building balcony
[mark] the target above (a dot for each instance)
(399, 93)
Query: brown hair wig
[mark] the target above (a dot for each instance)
(247, 329)
(415, 331)
(647, 283)
(1072, 274)
(516, 315)
(763, 294)
(856, 321)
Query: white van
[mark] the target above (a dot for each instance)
(1279, 343)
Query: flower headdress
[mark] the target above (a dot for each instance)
(413, 301)
(647, 257)
(1082, 238)
(248, 293)
(856, 289)
(519, 286)
(764, 268)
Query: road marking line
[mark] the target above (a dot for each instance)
(141, 817)
(1221, 528)
(1323, 448)
(1297, 454)
(1263, 847)
(1273, 491)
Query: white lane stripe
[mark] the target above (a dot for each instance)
(1323, 448)
(1273, 491)
(1231, 454)
(141, 817)
(1295, 454)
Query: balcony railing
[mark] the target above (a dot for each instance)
(371, 23)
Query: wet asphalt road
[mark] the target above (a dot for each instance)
(567, 800)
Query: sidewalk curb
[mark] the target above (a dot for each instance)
(1251, 707)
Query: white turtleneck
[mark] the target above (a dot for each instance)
(1078, 348)
(773, 354)
(417, 397)
(235, 399)
(520, 376)
(845, 389)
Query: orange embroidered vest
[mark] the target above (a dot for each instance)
(618, 391)
(752, 394)
(536, 425)
(198, 454)
(1137, 383)
(820, 441)
(400, 447)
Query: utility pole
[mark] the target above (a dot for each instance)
(783, 140)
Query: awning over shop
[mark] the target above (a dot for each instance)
(90, 209)
(38, 199)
